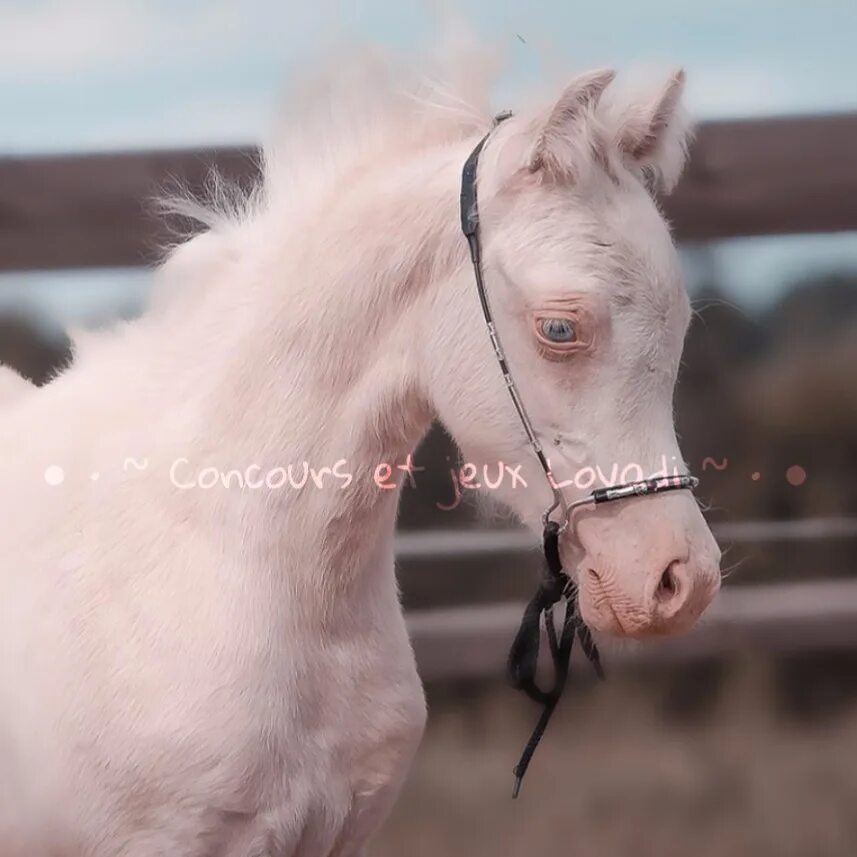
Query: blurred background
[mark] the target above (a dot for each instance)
(739, 739)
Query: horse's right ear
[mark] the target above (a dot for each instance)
(562, 140)
(654, 135)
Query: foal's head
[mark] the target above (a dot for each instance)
(585, 284)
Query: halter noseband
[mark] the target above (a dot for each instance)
(556, 584)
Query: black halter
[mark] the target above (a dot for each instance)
(555, 584)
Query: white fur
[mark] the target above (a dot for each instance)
(226, 672)
(12, 386)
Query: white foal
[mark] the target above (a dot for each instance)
(200, 658)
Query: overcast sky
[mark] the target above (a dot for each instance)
(102, 74)
(117, 73)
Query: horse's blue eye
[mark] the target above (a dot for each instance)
(558, 330)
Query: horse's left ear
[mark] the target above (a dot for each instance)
(654, 135)
(563, 142)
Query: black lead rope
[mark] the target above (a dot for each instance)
(524, 654)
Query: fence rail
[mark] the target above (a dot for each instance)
(472, 642)
(746, 177)
(446, 544)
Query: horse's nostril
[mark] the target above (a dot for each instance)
(667, 585)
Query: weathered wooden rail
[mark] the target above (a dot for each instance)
(450, 544)
(472, 642)
(746, 177)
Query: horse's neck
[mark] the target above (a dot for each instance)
(319, 362)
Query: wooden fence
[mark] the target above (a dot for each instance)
(747, 177)
(473, 641)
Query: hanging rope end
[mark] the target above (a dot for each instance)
(516, 789)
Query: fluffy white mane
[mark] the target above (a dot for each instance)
(352, 113)
(367, 107)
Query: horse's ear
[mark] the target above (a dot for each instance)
(654, 135)
(557, 148)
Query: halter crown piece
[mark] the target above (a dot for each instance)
(555, 584)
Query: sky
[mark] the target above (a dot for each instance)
(113, 74)
(100, 74)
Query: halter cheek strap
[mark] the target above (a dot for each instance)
(555, 584)
(470, 228)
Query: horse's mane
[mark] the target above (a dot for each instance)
(352, 112)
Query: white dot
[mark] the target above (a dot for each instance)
(54, 475)
(94, 476)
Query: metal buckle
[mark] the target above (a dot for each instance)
(558, 501)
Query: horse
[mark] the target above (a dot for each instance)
(203, 649)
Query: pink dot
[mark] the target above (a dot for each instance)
(796, 475)
(756, 476)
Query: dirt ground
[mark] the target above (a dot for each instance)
(753, 759)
